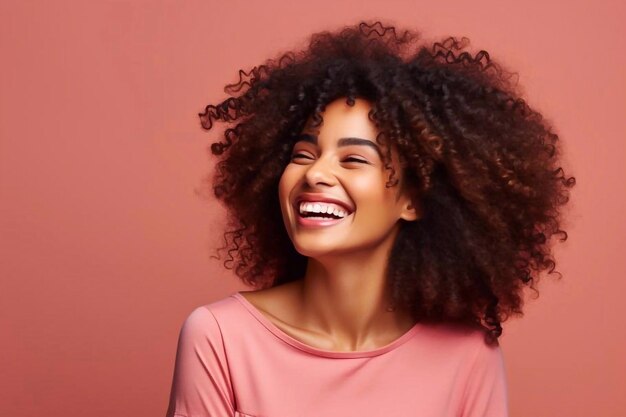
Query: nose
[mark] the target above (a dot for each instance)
(320, 172)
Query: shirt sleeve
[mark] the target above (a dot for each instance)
(486, 393)
(201, 385)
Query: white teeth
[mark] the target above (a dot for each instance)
(307, 207)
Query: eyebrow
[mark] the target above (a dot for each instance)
(342, 142)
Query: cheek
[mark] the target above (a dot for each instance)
(373, 200)
(368, 188)
(282, 192)
(285, 185)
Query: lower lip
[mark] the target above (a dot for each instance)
(309, 222)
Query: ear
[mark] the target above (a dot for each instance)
(409, 212)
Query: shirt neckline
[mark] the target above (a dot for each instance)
(323, 352)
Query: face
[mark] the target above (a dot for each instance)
(326, 166)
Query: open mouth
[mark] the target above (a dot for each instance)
(313, 219)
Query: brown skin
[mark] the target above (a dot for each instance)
(341, 303)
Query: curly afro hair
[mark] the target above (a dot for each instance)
(481, 164)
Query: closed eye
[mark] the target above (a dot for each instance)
(351, 159)
(300, 155)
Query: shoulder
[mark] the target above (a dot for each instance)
(455, 333)
(202, 383)
(281, 294)
(463, 344)
(206, 321)
(478, 361)
(280, 304)
(199, 325)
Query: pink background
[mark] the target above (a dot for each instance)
(105, 248)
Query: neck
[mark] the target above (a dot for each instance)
(347, 300)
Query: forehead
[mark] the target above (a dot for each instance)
(339, 120)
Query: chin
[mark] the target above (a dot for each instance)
(316, 250)
(312, 250)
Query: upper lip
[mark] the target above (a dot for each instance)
(321, 198)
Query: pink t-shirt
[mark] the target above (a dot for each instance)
(233, 361)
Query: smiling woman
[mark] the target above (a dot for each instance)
(388, 202)
(339, 166)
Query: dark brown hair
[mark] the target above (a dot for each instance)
(478, 161)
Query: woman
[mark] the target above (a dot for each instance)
(389, 202)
